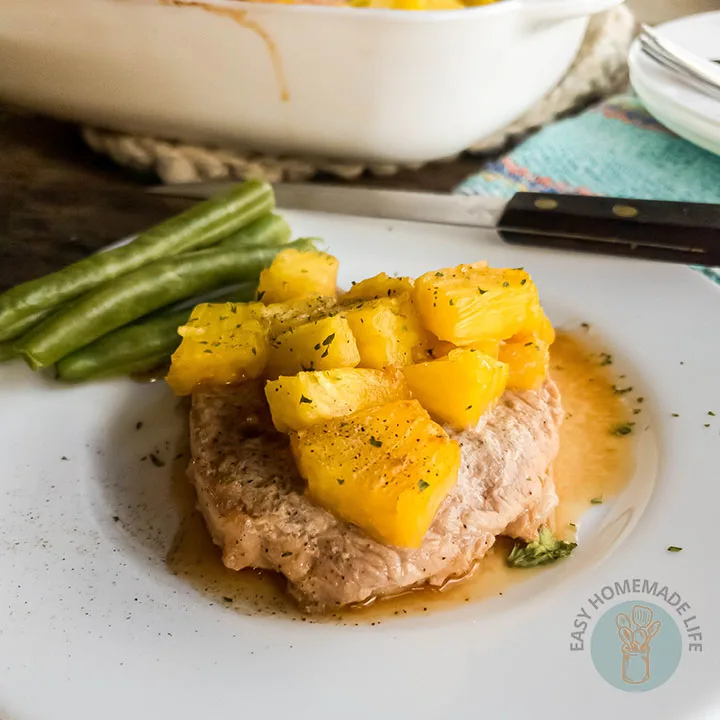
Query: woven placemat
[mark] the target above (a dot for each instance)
(600, 69)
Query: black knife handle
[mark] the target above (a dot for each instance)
(670, 231)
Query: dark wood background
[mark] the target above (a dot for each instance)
(60, 201)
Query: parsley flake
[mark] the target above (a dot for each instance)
(375, 442)
(422, 485)
(304, 399)
(621, 429)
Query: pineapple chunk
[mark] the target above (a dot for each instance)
(467, 304)
(539, 326)
(383, 335)
(313, 397)
(386, 469)
(528, 360)
(290, 314)
(319, 345)
(434, 349)
(379, 286)
(459, 388)
(296, 274)
(222, 343)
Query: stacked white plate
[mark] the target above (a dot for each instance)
(678, 106)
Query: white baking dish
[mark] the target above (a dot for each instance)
(372, 85)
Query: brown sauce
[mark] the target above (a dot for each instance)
(592, 464)
(240, 17)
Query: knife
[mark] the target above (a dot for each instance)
(679, 232)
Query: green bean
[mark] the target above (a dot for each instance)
(139, 293)
(268, 230)
(22, 326)
(199, 227)
(138, 366)
(148, 339)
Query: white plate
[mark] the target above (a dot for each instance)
(94, 625)
(676, 105)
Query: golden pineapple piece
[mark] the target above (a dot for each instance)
(312, 397)
(296, 274)
(459, 388)
(222, 343)
(471, 303)
(434, 349)
(528, 359)
(319, 345)
(379, 286)
(383, 335)
(287, 315)
(386, 469)
(538, 326)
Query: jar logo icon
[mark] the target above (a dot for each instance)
(636, 634)
(636, 646)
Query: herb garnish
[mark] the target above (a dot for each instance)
(481, 291)
(156, 461)
(597, 500)
(621, 391)
(422, 485)
(674, 548)
(546, 549)
(375, 442)
(260, 295)
(304, 399)
(621, 429)
(340, 481)
(328, 339)
(605, 359)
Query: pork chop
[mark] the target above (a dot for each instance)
(253, 500)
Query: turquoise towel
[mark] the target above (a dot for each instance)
(616, 148)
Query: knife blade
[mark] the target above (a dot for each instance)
(687, 233)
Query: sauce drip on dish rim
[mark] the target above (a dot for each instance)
(241, 18)
(593, 465)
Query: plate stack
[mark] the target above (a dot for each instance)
(682, 107)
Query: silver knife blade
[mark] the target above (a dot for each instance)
(433, 208)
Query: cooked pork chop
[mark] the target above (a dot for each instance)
(252, 498)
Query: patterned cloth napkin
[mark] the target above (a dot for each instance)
(616, 148)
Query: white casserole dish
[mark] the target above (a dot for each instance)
(372, 85)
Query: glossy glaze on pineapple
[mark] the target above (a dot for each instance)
(593, 463)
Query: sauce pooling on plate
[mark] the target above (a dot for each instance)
(595, 463)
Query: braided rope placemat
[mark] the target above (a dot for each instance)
(600, 69)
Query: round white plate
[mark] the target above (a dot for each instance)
(94, 625)
(678, 106)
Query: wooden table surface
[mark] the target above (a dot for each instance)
(60, 201)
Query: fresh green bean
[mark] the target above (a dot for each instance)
(270, 229)
(138, 366)
(22, 326)
(139, 293)
(199, 227)
(148, 339)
